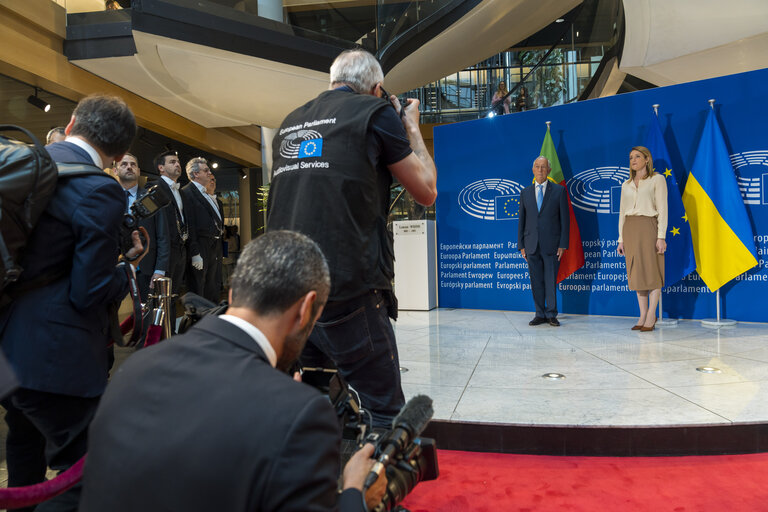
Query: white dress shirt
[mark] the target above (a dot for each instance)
(256, 334)
(77, 141)
(176, 195)
(211, 199)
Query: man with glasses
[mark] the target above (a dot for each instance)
(334, 161)
(206, 225)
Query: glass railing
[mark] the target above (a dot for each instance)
(534, 76)
(370, 24)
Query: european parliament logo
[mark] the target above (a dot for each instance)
(491, 199)
(302, 144)
(599, 189)
(751, 169)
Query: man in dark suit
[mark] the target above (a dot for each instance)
(211, 191)
(155, 262)
(168, 166)
(542, 237)
(218, 399)
(206, 228)
(55, 335)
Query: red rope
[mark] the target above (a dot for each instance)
(17, 497)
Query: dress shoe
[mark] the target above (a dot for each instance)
(637, 327)
(554, 322)
(538, 320)
(648, 329)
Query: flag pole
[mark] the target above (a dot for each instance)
(718, 322)
(660, 320)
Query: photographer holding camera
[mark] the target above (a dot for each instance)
(334, 161)
(209, 420)
(56, 330)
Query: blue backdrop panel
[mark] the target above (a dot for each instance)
(483, 165)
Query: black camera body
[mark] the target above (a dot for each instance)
(416, 462)
(411, 459)
(143, 208)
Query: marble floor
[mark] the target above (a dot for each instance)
(487, 367)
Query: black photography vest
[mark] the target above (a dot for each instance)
(325, 186)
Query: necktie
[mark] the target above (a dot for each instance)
(176, 186)
(539, 196)
(127, 201)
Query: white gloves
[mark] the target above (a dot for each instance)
(197, 262)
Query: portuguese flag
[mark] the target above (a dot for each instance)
(573, 259)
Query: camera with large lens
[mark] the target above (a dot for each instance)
(400, 453)
(143, 208)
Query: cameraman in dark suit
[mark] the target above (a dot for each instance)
(155, 262)
(209, 420)
(542, 237)
(55, 334)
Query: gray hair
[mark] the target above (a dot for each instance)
(358, 69)
(59, 130)
(549, 164)
(193, 167)
(277, 269)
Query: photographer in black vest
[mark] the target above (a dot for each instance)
(334, 161)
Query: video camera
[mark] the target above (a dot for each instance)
(406, 458)
(143, 208)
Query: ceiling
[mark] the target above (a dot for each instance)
(221, 88)
(669, 43)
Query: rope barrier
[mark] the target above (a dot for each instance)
(18, 497)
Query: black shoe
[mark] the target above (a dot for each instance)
(538, 320)
(554, 322)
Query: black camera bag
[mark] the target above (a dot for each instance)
(28, 177)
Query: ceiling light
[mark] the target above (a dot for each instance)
(559, 20)
(42, 105)
(215, 165)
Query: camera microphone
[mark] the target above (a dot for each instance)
(407, 425)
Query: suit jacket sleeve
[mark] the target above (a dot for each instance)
(162, 241)
(191, 217)
(95, 279)
(565, 219)
(521, 222)
(304, 477)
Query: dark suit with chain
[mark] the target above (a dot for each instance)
(541, 233)
(178, 232)
(159, 252)
(206, 228)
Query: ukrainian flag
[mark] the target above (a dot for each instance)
(723, 240)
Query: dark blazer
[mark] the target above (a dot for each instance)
(203, 220)
(202, 422)
(56, 336)
(545, 230)
(159, 248)
(172, 215)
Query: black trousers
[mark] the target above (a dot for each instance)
(542, 269)
(46, 430)
(207, 282)
(357, 336)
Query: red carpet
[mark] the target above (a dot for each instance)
(490, 482)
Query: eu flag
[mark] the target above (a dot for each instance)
(507, 207)
(723, 240)
(679, 260)
(310, 148)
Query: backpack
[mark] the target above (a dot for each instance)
(28, 178)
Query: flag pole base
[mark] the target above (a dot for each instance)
(714, 323)
(667, 322)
